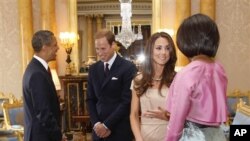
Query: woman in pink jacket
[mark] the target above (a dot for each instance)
(197, 96)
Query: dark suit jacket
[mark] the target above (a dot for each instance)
(109, 98)
(41, 105)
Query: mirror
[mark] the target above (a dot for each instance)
(96, 14)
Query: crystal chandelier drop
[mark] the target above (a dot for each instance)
(127, 36)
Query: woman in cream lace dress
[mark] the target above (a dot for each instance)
(148, 118)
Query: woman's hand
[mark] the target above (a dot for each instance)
(160, 113)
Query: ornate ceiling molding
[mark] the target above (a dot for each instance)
(112, 8)
(84, 1)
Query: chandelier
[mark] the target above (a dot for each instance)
(126, 35)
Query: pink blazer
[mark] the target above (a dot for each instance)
(198, 94)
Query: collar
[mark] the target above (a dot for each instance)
(111, 61)
(43, 62)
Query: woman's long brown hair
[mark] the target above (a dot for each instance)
(148, 71)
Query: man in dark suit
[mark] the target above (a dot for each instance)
(41, 105)
(108, 93)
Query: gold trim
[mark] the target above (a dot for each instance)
(6, 107)
(238, 94)
(69, 105)
(243, 108)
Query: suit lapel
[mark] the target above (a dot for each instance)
(100, 71)
(51, 83)
(46, 73)
(113, 71)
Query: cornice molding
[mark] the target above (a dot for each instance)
(96, 1)
(110, 8)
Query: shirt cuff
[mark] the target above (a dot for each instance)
(96, 124)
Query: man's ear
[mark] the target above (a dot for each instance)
(113, 44)
(43, 47)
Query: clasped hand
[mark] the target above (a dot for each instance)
(101, 131)
(160, 113)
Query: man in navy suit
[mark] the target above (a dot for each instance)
(108, 93)
(41, 105)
